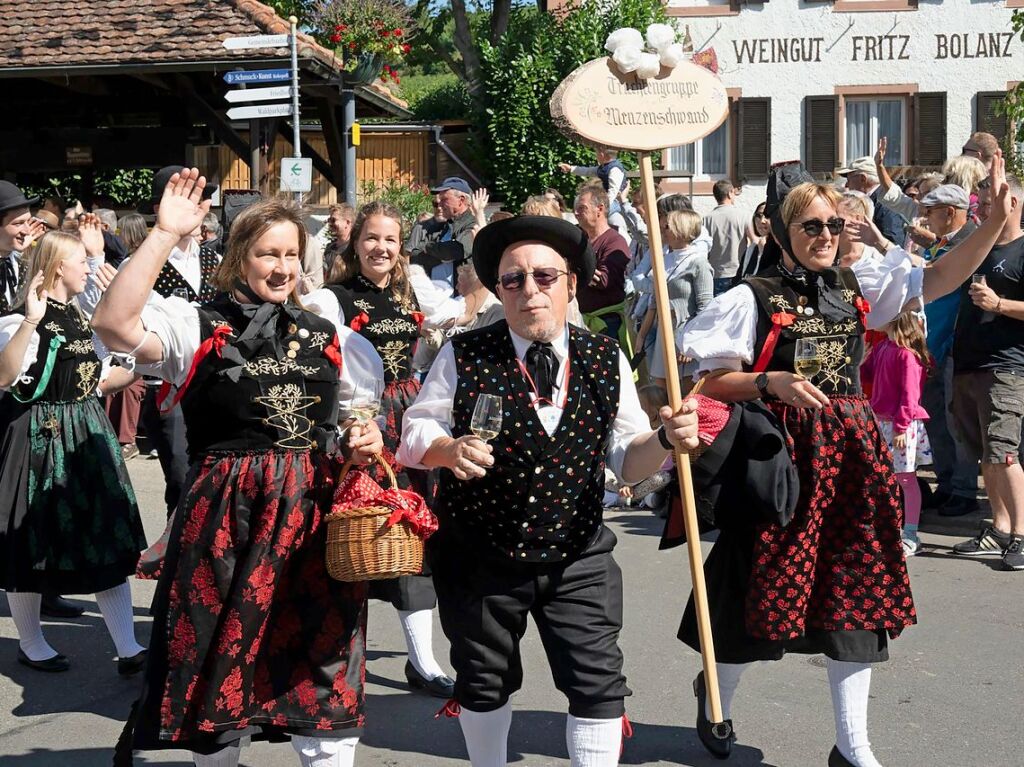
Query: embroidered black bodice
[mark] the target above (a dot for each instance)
(794, 306)
(391, 326)
(270, 390)
(66, 346)
(542, 501)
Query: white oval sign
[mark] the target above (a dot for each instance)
(597, 104)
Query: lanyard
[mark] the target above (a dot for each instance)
(533, 387)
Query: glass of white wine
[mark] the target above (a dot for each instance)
(365, 403)
(486, 421)
(807, 360)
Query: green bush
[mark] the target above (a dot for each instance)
(521, 73)
(126, 186)
(410, 199)
(436, 97)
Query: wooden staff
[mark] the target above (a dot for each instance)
(668, 347)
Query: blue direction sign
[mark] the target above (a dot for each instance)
(258, 76)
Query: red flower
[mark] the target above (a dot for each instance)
(335, 38)
(352, 45)
(397, 33)
(359, 321)
(385, 33)
(406, 47)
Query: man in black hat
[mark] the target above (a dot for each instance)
(442, 248)
(17, 230)
(521, 517)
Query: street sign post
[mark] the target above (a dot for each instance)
(260, 110)
(256, 41)
(258, 77)
(259, 94)
(296, 174)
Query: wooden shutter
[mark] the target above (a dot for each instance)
(821, 132)
(929, 121)
(986, 118)
(753, 135)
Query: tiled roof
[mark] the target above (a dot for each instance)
(48, 33)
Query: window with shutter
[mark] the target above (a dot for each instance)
(929, 129)
(753, 137)
(820, 134)
(985, 116)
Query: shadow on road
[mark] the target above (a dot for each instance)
(77, 757)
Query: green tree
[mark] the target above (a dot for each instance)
(1013, 107)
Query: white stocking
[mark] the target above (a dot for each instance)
(226, 757)
(850, 684)
(418, 627)
(486, 735)
(593, 742)
(728, 681)
(25, 611)
(116, 607)
(325, 752)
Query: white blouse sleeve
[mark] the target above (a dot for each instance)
(8, 327)
(176, 323)
(323, 303)
(888, 285)
(722, 336)
(360, 363)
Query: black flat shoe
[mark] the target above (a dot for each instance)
(52, 665)
(54, 606)
(440, 686)
(836, 759)
(717, 739)
(133, 665)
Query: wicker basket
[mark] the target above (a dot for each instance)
(360, 548)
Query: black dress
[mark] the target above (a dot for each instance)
(393, 327)
(251, 636)
(834, 580)
(68, 518)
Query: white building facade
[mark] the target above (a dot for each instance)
(822, 81)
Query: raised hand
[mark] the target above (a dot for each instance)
(565, 167)
(104, 275)
(90, 231)
(883, 144)
(182, 207)
(1002, 200)
(478, 204)
(864, 230)
(35, 299)
(36, 229)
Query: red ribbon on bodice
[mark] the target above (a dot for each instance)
(780, 320)
(214, 343)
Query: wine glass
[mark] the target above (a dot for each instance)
(486, 422)
(807, 360)
(366, 395)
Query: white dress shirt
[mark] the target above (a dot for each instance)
(722, 337)
(430, 416)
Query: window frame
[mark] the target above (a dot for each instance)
(873, 140)
(698, 154)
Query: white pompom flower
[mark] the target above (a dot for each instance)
(650, 66)
(660, 36)
(627, 58)
(672, 55)
(626, 36)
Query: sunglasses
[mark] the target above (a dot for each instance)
(544, 278)
(815, 226)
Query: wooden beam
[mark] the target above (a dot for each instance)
(216, 120)
(335, 138)
(319, 162)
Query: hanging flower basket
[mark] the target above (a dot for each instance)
(371, 36)
(367, 69)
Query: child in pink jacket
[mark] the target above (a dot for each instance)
(895, 370)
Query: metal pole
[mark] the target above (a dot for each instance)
(348, 100)
(296, 139)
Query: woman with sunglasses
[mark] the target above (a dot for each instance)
(370, 290)
(833, 580)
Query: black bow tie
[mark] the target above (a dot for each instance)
(8, 279)
(542, 365)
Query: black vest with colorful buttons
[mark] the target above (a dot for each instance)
(542, 501)
(170, 279)
(781, 300)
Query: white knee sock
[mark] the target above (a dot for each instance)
(850, 684)
(728, 681)
(226, 757)
(25, 611)
(486, 735)
(593, 742)
(418, 627)
(325, 752)
(116, 607)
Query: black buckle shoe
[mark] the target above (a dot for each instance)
(440, 686)
(53, 606)
(52, 665)
(717, 739)
(836, 759)
(133, 665)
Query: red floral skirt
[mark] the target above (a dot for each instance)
(250, 635)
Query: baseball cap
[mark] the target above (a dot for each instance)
(453, 182)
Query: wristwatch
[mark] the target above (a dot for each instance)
(663, 438)
(761, 382)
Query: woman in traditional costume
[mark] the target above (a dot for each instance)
(369, 289)
(833, 580)
(69, 523)
(251, 637)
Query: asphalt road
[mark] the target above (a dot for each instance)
(951, 695)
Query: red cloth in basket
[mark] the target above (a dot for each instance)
(359, 490)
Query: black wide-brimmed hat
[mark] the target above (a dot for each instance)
(567, 239)
(160, 179)
(12, 198)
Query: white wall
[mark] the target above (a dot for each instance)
(841, 53)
